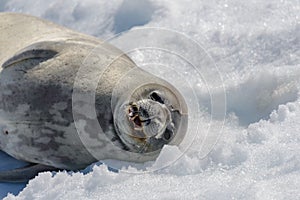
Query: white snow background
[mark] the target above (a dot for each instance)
(256, 47)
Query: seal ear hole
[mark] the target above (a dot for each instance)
(156, 97)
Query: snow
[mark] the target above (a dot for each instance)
(248, 52)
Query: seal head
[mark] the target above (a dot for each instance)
(154, 115)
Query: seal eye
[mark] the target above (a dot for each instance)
(167, 135)
(155, 97)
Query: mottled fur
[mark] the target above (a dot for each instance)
(40, 61)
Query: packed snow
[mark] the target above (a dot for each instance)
(237, 64)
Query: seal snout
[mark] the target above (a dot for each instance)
(138, 116)
(149, 117)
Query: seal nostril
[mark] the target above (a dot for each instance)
(132, 111)
(134, 108)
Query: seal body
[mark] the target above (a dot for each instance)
(43, 121)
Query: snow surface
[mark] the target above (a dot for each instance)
(252, 153)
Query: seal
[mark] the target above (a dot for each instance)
(45, 117)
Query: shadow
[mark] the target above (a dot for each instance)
(7, 162)
(133, 13)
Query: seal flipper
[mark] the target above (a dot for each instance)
(41, 50)
(24, 174)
